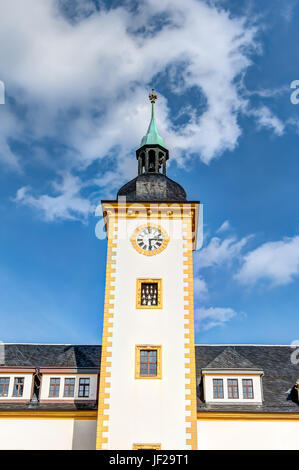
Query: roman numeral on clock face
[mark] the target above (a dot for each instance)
(150, 238)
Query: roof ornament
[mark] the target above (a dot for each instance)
(152, 136)
(153, 96)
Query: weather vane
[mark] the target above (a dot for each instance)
(153, 96)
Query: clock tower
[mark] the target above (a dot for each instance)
(147, 395)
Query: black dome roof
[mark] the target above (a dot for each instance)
(152, 187)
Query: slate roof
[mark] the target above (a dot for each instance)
(152, 187)
(67, 406)
(229, 358)
(52, 355)
(280, 374)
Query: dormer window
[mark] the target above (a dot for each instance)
(232, 378)
(247, 385)
(232, 388)
(218, 388)
(4, 386)
(84, 385)
(54, 387)
(226, 387)
(69, 387)
(18, 387)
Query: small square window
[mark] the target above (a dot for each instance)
(148, 362)
(149, 293)
(84, 387)
(69, 387)
(232, 388)
(247, 385)
(54, 387)
(218, 388)
(4, 386)
(18, 387)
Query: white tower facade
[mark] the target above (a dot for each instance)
(147, 395)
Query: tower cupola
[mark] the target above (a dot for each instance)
(151, 183)
(152, 155)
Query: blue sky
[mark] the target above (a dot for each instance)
(77, 79)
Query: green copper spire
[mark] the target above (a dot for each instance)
(152, 136)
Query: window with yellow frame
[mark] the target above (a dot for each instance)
(149, 293)
(146, 446)
(148, 362)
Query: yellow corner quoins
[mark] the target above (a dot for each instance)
(148, 347)
(46, 414)
(147, 252)
(138, 293)
(105, 374)
(190, 375)
(189, 221)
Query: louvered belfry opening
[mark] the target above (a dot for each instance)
(152, 159)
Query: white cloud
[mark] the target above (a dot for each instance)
(207, 318)
(219, 252)
(287, 10)
(66, 204)
(224, 227)
(91, 75)
(266, 118)
(200, 288)
(277, 262)
(293, 122)
(60, 71)
(9, 127)
(269, 92)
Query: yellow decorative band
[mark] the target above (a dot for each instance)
(233, 416)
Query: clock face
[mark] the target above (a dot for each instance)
(149, 239)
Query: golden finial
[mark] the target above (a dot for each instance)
(153, 96)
